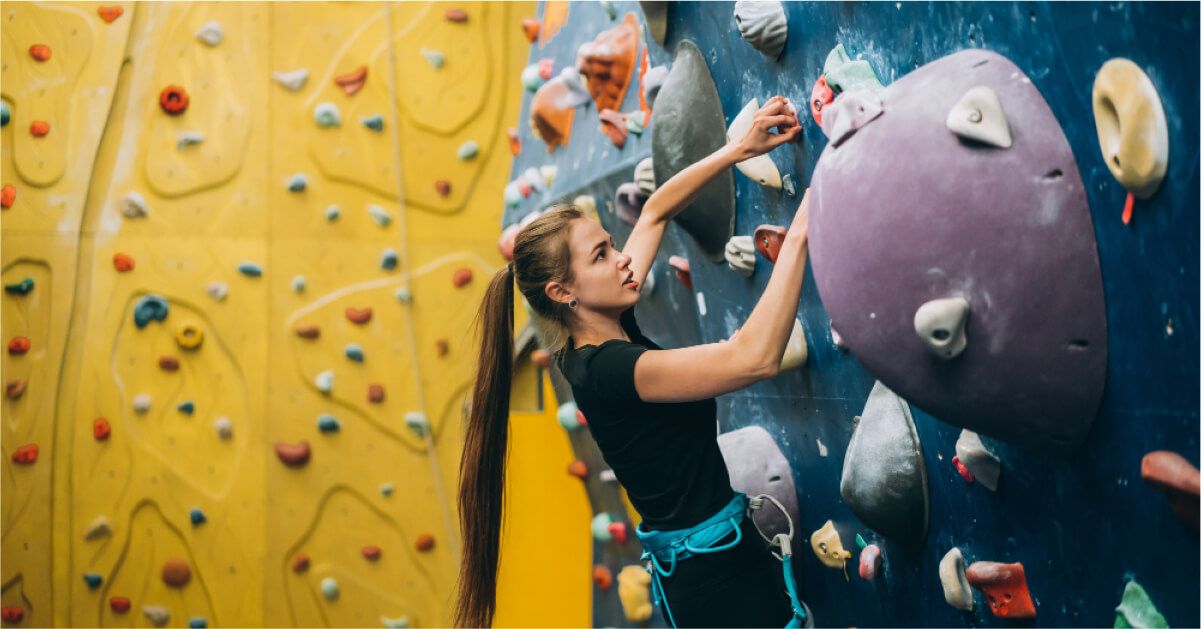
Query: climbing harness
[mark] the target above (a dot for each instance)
(670, 547)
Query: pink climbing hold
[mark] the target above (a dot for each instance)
(821, 97)
(293, 455)
(769, 239)
(620, 532)
(508, 239)
(683, 270)
(962, 469)
(579, 417)
(614, 125)
(546, 68)
(1178, 479)
(455, 15)
(371, 553)
(869, 562)
(352, 81)
(462, 277)
(375, 393)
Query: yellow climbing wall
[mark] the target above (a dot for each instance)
(121, 507)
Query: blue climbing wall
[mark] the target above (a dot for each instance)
(1082, 525)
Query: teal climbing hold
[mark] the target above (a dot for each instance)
(468, 150)
(92, 579)
(354, 351)
(149, 308)
(860, 542)
(600, 527)
(388, 259)
(435, 58)
(250, 269)
(844, 74)
(298, 283)
(187, 407)
(568, 417)
(5, 114)
(1137, 610)
(20, 288)
(197, 516)
(328, 423)
(386, 489)
(332, 213)
(197, 622)
(375, 123)
(327, 115)
(298, 182)
(636, 122)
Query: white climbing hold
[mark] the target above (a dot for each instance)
(984, 465)
(600, 527)
(156, 614)
(978, 116)
(134, 205)
(955, 588)
(292, 80)
(100, 527)
(298, 284)
(386, 489)
(789, 186)
(404, 295)
(417, 422)
(822, 450)
(435, 58)
(329, 588)
(217, 290)
(644, 176)
(548, 172)
(942, 325)
(469, 150)
(224, 428)
(762, 24)
(700, 303)
(188, 138)
(141, 403)
(332, 213)
(395, 623)
(652, 82)
(325, 381)
(577, 93)
(608, 476)
(211, 33)
(327, 115)
(836, 338)
(796, 352)
(298, 182)
(378, 214)
(533, 177)
(740, 255)
(760, 168)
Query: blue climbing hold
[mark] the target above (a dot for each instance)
(187, 407)
(250, 269)
(197, 622)
(92, 579)
(298, 183)
(5, 114)
(375, 123)
(197, 515)
(388, 259)
(149, 308)
(354, 351)
(328, 423)
(332, 213)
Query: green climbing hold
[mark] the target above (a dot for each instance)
(375, 123)
(327, 115)
(468, 150)
(332, 213)
(92, 579)
(250, 269)
(379, 215)
(860, 542)
(197, 516)
(5, 114)
(354, 351)
(187, 407)
(636, 122)
(20, 288)
(1137, 610)
(328, 423)
(844, 74)
(149, 308)
(388, 260)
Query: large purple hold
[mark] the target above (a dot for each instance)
(905, 212)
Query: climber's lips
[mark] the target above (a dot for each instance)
(630, 282)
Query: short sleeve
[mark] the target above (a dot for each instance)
(609, 372)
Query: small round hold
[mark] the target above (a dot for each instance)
(40, 52)
(189, 336)
(5, 114)
(173, 99)
(119, 604)
(109, 14)
(19, 346)
(462, 277)
(371, 553)
(329, 588)
(197, 517)
(224, 428)
(358, 316)
(443, 187)
(300, 563)
(26, 454)
(375, 393)
(8, 195)
(456, 15)
(101, 429)
(309, 331)
(425, 543)
(169, 364)
(469, 150)
(39, 128)
(123, 262)
(141, 403)
(442, 346)
(176, 572)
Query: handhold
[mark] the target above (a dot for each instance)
(141, 403)
(324, 381)
(683, 270)
(633, 588)
(156, 614)
(188, 138)
(644, 176)
(851, 112)
(942, 325)
(12, 614)
(652, 82)
(401, 622)
(512, 194)
(307, 331)
(579, 418)
(371, 553)
(629, 202)
(418, 423)
(189, 336)
(404, 295)
(607, 476)
(827, 545)
(39, 128)
(740, 255)
(196, 515)
(869, 562)
(760, 169)
(602, 577)
(119, 604)
(600, 527)
(8, 195)
(358, 315)
(762, 24)
(608, 61)
(796, 352)
(123, 262)
(789, 186)
(39, 52)
(619, 531)
(298, 183)
(293, 455)
(578, 469)
(609, 7)
(292, 80)
(388, 259)
(176, 572)
(354, 351)
(26, 454)
(328, 423)
(375, 393)
(298, 284)
(636, 122)
(378, 214)
(187, 407)
(442, 187)
(352, 81)
(434, 57)
(567, 416)
(614, 126)
(468, 150)
(18, 346)
(173, 100)
(442, 347)
(514, 141)
(541, 357)
(455, 15)
(978, 116)
(168, 363)
(757, 466)
(1004, 584)
(955, 587)
(533, 177)
(845, 75)
(149, 308)
(197, 622)
(300, 563)
(1131, 127)
(1137, 610)
(217, 290)
(224, 428)
(883, 472)
(329, 588)
(327, 115)
(462, 277)
(20, 288)
(983, 465)
(101, 429)
(552, 113)
(1178, 479)
(531, 77)
(211, 33)
(962, 469)
(655, 14)
(386, 489)
(530, 27)
(133, 205)
(424, 543)
(250, 269)
(110, 13)
(507, 239)
(768, 241)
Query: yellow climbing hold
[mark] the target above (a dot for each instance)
(189, 336)
(633, 588)
(828, 548)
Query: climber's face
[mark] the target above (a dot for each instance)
(602, 278)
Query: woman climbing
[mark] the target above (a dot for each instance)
(650, 410)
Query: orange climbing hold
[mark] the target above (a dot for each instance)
(176, 572)
(514, 141)
(607, 63)
(307, 331)
(110, 14)
(375, 393)
(293, 455)
(101, 429)
(40, 52)
(578, 469)
(358, 315)
(643, 66)
(1128, 209)
(173, 99)
(1178, 479)
(443, 187)
(119, 604)
(352, 81)
(551, 113)
(371, 553)
(39, 128)
(541, 358)
(614, 125)
(769, 239)
(300, 563)
(425, 543)
(442, 346)
(8, 194)
(123, 262)
(168, 363)
(26, 454)
(462, 277)
(456, 15)
(602, 577)
(18, 346)
(12, 614)
(579, 417)
(530, 27)
(1004, 584)
(683, 270)
(14, 388)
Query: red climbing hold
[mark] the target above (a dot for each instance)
(26, 454)
(122, 262)
(530, 27)
(1004, 584)
(40, 52)
(8, 194)
(462, 277)
(12, 614)
(819, 98)
(14, 388)
(293, 455)
(425, 543)
(442, 346)
(168, 363)
(1128, 209)
(173, 99)
(300, 563)
(578, 469)
(1178, 479)
(683, 270)
(579, 417)
(18, 346)
(101, 429)
(307, 331)
(541, 358)
(456, 15)
(620, 532)
(602, 577)
(352, 81)
(614, 125)
(443, 187)
(514, 142)
(358, 315)
(119, 604)
(869, 562)
(962, 469)
(375, 393)
(39, 128)
(371, 552)
(769, 239)
(176, 572)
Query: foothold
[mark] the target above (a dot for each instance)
(424, 543)
(292, 80)
(293, 455)
(18, 346)
(644, 176)
(978, 116)
(354, 351)
(602, 577)
(378, 214)
(327, 115)
(133, 205)
(541, 357)
(386, 489)
(196, 515)
(883, 471)
(328, 423)
(740, 255)
(197, 622)
(796, 352)
(352, 81)
(418, 423)
(39, 52)
(531, 27)
(1131, 127)
(8, 195)
(636, 122)
(156, 614)
(613, 124)
(123, 262)
(12, 614)
(374, 122)
(942, 325)
(250, 269)
(300, 563)
(20, 288)
(683, 270)
(652, 82)
(633, 588)
(101, 429)
(442, 347)
(375, 393)
(211, 33)
(324, 381)
(176, 572)
(388, 259)
(173, 100)
(168, 363)
(224, 428)
(329, 588)
(462, 277)
(141, 403)
(955, 588)
(188, 138)
(298, 183)
(851, 112)
(119, 604)
(1004, 584)
(455, 15)
(789, 186)
(217, 290)
(869, 562)
(358, 316)
(186, 407)
(600, 527)
(578, 469)
(579, 417)
(26, 454)
(1137, 610)
(307, 331)
(608, 63)
(567, 415)
(110, 13)
(983, 465)
(189, 336)
(332, 213)
(514, 141)
(404, 295)
(401, 622)
(39, 128)
(1178, 479)
(760, 169)
(371, 553)
(468, 150)
(629, 202)
(768, 241)
(762, 24)
(298, 284)
(434, 57)
(845, 75)
(149, 308)
(827, 545)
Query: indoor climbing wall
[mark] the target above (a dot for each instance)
(242, 244)
(989, 403)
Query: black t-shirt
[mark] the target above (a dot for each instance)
(664, 454)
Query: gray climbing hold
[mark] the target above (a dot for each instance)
(883, 472)
(644, 176)
(250, 269)
(762, 24)
(298, 284)
(332, 213)
(375, 123)
(789, 185)
(217, 290)
(404, 295)
(141, 403)
(327, 115)
(757, 466)
(298, 183)
(187, 407)
(942, 325)
(378, 214)
(325, 381)
(133, 205)
(156, 614)
(328, 423)
(984, 465)
(150, 308)
(469, 150)
(955, 588)
(577, 93)
(740, 254)
(434, 57)
(978, 116)
(211, 33)
(224, 428)
(849, 113)
(188, 138)
(652, 82)
(417, 422)
(329, 588)
(386, 489)
(292, 80)
(388, 259)
(689, 125)
(196, 515)
(354, 351)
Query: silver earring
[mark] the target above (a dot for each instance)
(572, 304)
